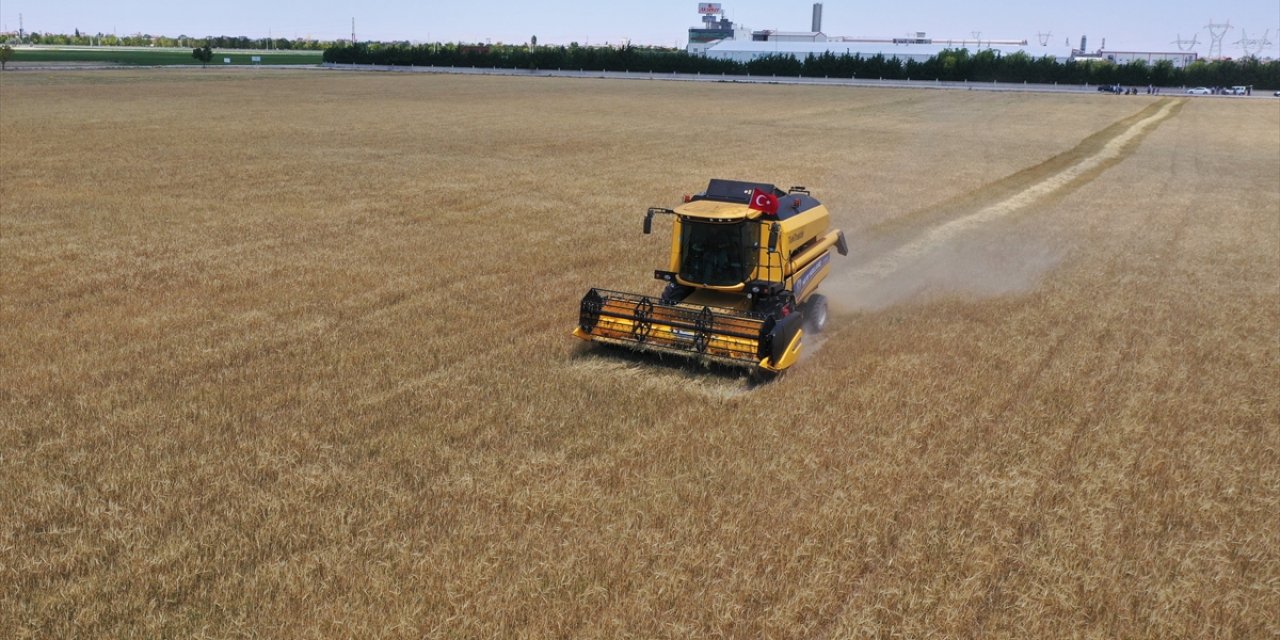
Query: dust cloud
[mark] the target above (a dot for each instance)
(978, 253)
(977, 264)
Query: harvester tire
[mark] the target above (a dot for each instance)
(675, 293)
(815, 312)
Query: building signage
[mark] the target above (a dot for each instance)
(709, 8)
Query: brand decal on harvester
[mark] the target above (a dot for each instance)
(803, 280)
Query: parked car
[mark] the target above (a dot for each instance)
(1199, 91)
(1236, 91)
(1110, 88)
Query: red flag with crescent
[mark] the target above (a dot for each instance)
(763, 201)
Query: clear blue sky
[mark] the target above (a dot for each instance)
(1145, 25)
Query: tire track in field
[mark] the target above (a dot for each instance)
(953, 253)
(1119, 143)
(1068, 456)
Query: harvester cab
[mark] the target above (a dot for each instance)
(741, 283)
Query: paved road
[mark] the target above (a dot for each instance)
(698, 77)
(635, 75)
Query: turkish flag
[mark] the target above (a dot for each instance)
(763, 201)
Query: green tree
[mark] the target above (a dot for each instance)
(1162, 73)
(6, 54)
(203, 54)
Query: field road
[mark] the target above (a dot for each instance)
(627, 75)
(750, 79)
(890, 274)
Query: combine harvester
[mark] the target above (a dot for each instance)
(746, 261)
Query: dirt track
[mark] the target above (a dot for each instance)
(890, 265)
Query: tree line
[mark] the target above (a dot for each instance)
(147, 40)
(954, 65)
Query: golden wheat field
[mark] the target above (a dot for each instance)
(287, 354)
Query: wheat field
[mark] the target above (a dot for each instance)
(287, 354)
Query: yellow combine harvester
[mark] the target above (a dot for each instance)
(746, 261)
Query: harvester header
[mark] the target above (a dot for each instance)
(746, 262)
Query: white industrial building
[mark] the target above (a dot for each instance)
(743, 51)
(1179, 59)
(789, 36)
(722, 39)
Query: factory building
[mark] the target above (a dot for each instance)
(722, 39)
(748, 51)
(770, 35)
(1179, 59)
(715, 28)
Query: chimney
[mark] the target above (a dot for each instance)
(817, 17)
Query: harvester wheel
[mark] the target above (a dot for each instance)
(674, 293)
(815, 312)
(759, 376)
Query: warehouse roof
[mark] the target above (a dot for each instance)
(755, 48)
